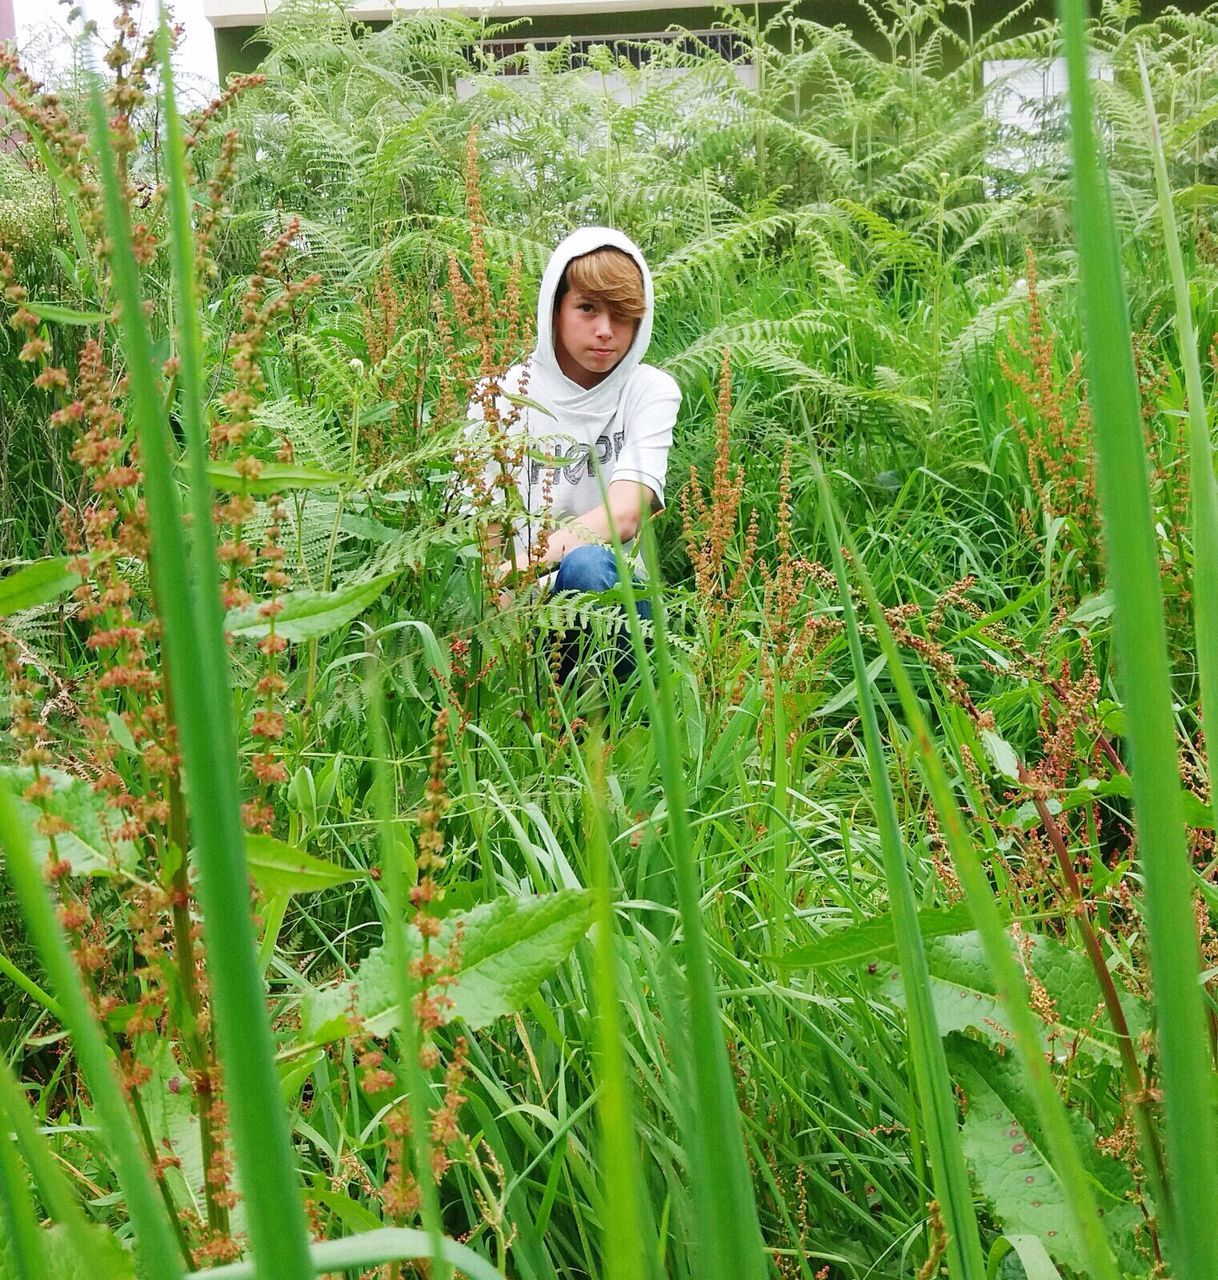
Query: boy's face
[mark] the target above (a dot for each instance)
(589, 339)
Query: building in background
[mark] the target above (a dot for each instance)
(587, 22)
(1020, 90)
(236, 22)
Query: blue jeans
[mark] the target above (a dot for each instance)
(593, 568)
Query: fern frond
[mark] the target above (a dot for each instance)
(312, 434)
(558, 613)
(997, 220)
(753, 336)
(409, 549)
(893, 245)
(728, 247)
(991, 321)
(799, 143)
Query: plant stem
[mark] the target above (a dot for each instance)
(1138, 1092)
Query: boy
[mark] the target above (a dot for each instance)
(594, 316)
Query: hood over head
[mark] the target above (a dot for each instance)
(548, 383)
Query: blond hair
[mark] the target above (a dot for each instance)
(610, 275)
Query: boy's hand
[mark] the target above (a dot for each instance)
(505, 597)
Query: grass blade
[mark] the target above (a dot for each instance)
(1192, 1147)
(46, 1175)
(22, 1245)
(278, 1234)
(728, 1211)
(948, 1169)
(390, 1244)
(629, 1254)
(30, 987)
(197, 667)
(729, 1244)
(1201, 468)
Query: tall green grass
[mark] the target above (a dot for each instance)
(1204, 486)
(1005, 971)
(394, 870)
(1145, 680)
(44, 1176)
(934, 1086)
(630, 1248)
(725, 1210)
(194, 653)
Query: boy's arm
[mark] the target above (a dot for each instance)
(651, 414)
(623, 507)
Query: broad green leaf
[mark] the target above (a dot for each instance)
(1004, 1144)
(58, 314)
(277, 867)
(36, 584)
(293, 1074)
(965, 997)
(107, 1259)
(169, 1107)
(354, 1216)
(524, 402)
(1001, 753)
(1093, 608)
(508, 948)
(1197, 196)
(309, 615)
(92, 845)
(873, 939)
(122, 735)
(274, 477)
(1196, 812)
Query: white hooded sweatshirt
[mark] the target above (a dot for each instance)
(626, 420)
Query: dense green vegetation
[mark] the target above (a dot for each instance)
(822, 947)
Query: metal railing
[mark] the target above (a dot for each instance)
(637, 48)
